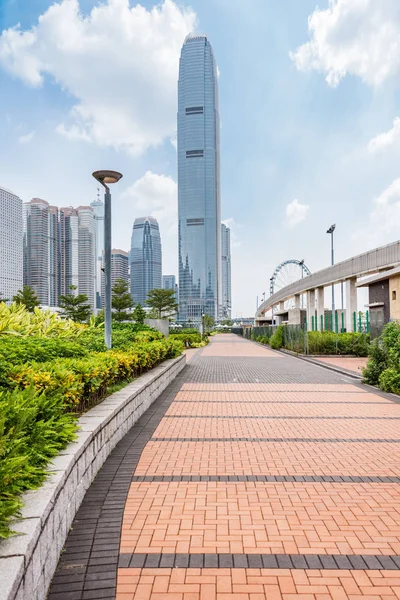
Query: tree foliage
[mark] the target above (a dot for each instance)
(208, 322)
(27, 297)
(163, 302)
(75, 306)
(121, 300)
(139, 314)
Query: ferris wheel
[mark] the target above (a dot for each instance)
(286, 273)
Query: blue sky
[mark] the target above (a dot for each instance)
(307, 139)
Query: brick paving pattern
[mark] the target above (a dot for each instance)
(254, 476)
(348, 363)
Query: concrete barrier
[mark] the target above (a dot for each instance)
(28, 560)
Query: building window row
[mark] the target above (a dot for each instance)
(194, 153)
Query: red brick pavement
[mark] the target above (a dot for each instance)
(254, 517)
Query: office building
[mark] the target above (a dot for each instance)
(78, 251)
(41, 250)
(199, 204)
(98, 208)
(169, 283)
(226, 271)
(11, 244)
(119, 268)
(145, 259)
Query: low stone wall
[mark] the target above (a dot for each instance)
(162, 325)
(28, 560)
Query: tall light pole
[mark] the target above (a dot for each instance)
(107, 177)
(330, 231)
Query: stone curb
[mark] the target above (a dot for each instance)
(324, 365)
(28, 560)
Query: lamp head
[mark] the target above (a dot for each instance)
(107, 177)
(331, 228)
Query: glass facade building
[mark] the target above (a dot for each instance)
(226, 271)
(145, 259)
(199, 203)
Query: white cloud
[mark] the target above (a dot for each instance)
(296, 213)
(386, 140)
(353, 37)
(383, 225)
(25, 139)
(119, 64)
(157, 196)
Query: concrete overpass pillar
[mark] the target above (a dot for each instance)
(320, 308)
(297, 301)
(310, 308)
(351, 303)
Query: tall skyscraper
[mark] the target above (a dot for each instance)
(226, 271)
(199, 203)
(41, 250)
(169, 283)
(11, 244)
(119, 268)
(98, 207)
(145, 258)
(78, 251)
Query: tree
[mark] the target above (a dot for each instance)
(163, 302)
(208, 322)
(27, 297)
(139, 314)
(121, 300)
(227, 322)
(75, 306)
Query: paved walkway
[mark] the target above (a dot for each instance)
(254, 476)
(347, 363)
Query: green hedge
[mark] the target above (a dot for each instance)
(83, 382)
(194, 338)
(33, 429)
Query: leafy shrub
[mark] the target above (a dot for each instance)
(389, 380)
(383, 367)
(17, 350)
(17, 320)
(276, 340)
(328, 342)
(33, 429)
(263, 339)
(84, 382)
(194, 338)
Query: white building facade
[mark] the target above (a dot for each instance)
(11, 244)
(226, 271)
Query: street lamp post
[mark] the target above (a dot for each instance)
(107, 177)
(330, 231)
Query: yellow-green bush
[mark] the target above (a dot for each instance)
(84, 381)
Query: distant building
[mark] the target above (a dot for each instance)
(11, 244)
(145, 258)
(226, 271)
(119, 269)
(98, 207)
(41, 250)
(78, 251)
(199, 203)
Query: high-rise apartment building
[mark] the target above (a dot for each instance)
(119, 268)
(199, 203)
(69, 249)
(87, 253)
(98, 207)
(78, 251)
(145, 259)
(226, 271)
(41, 250)
(11, 244)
